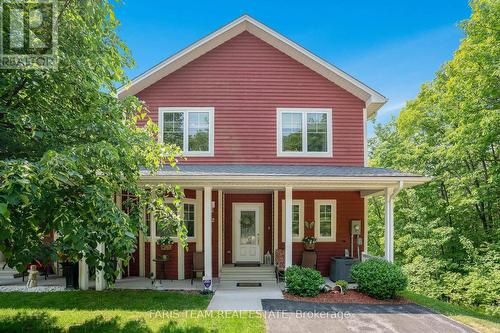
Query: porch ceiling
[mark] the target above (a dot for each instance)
(253, 176)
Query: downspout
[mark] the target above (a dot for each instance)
(397, 190)
(391, 223)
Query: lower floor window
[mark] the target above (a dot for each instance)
(189, 219)
(325, 217)
(188, 213)
(297, 219)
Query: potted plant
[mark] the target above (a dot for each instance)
(309, 243)
(166, 243)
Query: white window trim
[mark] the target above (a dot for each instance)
(301, 220)
(186, 111)
(304, 112)
(175, 239)
(317, 204)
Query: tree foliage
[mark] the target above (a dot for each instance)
(447, 231)
(67, 146)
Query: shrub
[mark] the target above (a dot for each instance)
(342, 284)
(303, 281)
(379, 278)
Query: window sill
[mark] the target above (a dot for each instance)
(199, 154)
(174, 239)
(317, 155)
(326, 239)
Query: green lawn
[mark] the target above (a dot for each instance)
(119, 311)
(472, 317)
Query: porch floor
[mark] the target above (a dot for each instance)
(134, 282)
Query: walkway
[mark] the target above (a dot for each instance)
(244, 298)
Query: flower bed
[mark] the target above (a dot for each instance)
(353, 297)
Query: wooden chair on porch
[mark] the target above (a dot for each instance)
(279, 263)
(309, 259)
(198, 265)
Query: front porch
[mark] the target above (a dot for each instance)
(239, 213)
(57, 283)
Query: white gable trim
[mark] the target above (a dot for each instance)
(372, 98)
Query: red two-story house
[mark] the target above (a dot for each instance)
(275, 140)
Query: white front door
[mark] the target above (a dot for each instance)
(247, 232)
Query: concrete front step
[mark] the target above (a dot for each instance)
(234, 284)
(247, 273)
(246, 276)
(234, 277)
(266, 268)
(231, 275)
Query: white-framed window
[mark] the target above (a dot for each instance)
(304, 132)
(325, 217)
(188, 211)
(297, 220)
(191, 128)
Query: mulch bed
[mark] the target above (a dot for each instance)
(351, 297)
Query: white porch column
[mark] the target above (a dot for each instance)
(119, 267)
(207, 241)
(389, 225)
(83, 274)
(152, 246)
(220, 221)
(275, 223)
(142, 255)
(119, 264)
(100, 282)
(288, 226)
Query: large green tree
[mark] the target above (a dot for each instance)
(67, 145)
(447, 231)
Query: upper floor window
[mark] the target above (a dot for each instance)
(304, 132)
(191, 128)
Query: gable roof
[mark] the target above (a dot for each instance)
(372, 98)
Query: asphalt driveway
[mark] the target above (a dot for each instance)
(290, 316)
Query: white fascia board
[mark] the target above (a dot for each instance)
(273, 182)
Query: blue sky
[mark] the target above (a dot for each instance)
(393, 46)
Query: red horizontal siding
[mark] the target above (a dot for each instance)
(350, 206)
(170, 269)
(245, 80)
(133, 263)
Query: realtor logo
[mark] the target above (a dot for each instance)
(28, 34)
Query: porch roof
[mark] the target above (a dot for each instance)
(277, 176)
(258, 170)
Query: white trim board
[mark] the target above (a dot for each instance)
(260, 206)
(300, 203)
(186, 111)
(373, 99)
(303, 112)
(333, 222)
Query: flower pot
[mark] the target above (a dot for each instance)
(70, 272)
(166, 247)
(309, 246)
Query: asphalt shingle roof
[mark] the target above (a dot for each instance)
(279, 170)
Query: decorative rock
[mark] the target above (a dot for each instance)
(39, 289)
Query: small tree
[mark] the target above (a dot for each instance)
(67, 145)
